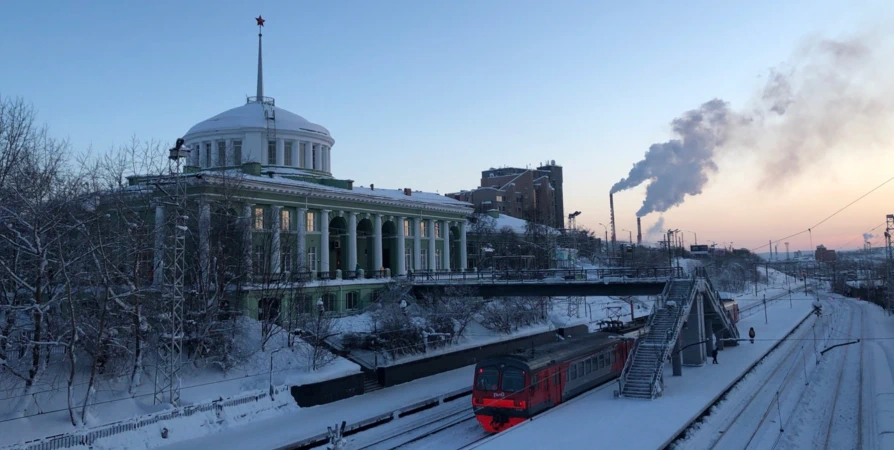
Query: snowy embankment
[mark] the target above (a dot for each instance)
(292, 426)
(200, 385)
(598, 416)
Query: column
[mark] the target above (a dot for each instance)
(247, 238)
(445, 229)
(401, 247)
(695, 332)
(463, 258)
(318, 155)
(308, 148)
(324, 241)
(276, 224)
(229, 153)
(377, 242)
(352, 241)
(302, 236)
(280, 151)
(204, 239)
(417, 244)
(431, 244)
(295, 154)
(158, 252)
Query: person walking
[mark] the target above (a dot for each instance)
(751, 334)
(714, 355)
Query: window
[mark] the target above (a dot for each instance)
(302, 154)
(601, 361)
(207, 154)
(573, 372)
(330, 302)
(588, 366)
(408, 252)
(407, 228)
(499, 198)
(259, 218)
(352, 300)
(438, 262)
(313, 155)
(513, 380)
(438, 233)
(311, 221)
(271, 153)
(424, 256)
(259, 260)
(287, 155)
(285, 220)
(312, 259)
(268, 309)
(423, 228)
(486, 379)
(237, 152)
(285, 254)
(221, 153)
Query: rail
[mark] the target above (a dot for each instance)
(553, 275)
(658, 304)
(681, 312)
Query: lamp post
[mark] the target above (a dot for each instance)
(629, 235)
(694, 235)
(605, 242)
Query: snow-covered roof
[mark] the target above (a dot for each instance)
(517, 225)
(251, 115)
(391, 197)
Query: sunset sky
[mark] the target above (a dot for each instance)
(427, 94)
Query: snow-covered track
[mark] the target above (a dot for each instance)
(420, 429)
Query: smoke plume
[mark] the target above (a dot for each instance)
(867, 236)
(831, 95)
(656, 228)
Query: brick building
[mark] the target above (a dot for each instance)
(530, 194)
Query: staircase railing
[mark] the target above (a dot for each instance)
(622, 380)
(714, 297)
(659, 303)
(681, 312)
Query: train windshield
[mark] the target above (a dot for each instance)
(513, 380)
(487, 378)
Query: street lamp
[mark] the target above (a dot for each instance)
(696, 236)
(630, 234)
(605, 242)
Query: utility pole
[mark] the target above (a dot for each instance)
(167, 388)
(889, 261)
(786, 252)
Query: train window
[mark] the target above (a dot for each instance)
(534, 380)
(589, 365)
(573, 371)
(513, 380)
(601, 361)
(486, 379)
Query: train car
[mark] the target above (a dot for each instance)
(733, 309)
(509, 389)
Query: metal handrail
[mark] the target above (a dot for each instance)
(659, 302)
(682, 311)
(622, 380)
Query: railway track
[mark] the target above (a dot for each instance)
(725, 435)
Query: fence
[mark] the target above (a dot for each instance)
(538, 276)
(89, 437)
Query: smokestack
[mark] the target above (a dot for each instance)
(611, 205)
(639, 232)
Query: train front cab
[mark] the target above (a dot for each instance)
(500, 394)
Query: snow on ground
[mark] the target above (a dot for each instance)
(597, 418)
(292, 426)
(113, 403)
(749, 416)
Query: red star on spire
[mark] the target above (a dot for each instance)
(260, 21)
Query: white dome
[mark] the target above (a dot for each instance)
(251, 115)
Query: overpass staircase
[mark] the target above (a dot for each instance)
(643, 374)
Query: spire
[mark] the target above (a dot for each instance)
(260, 94)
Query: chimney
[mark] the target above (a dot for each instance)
(408, 191)
(611, 205)
(639, 231)
(372, 187)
